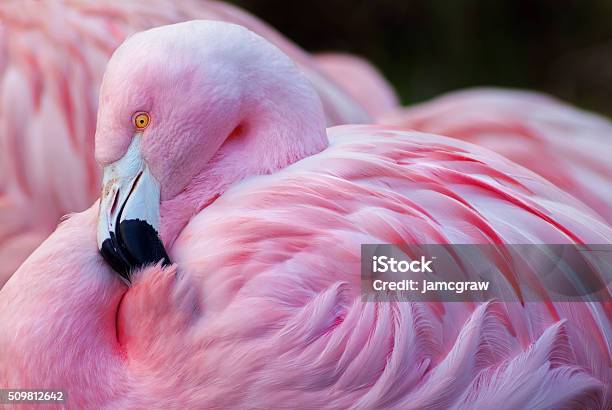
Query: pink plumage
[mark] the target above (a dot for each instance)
(52, 57)
(262, 305)
(567, 146)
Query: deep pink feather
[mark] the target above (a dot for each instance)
(567, 146)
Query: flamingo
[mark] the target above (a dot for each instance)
(236, 218)
(565, 145)
(52, 57)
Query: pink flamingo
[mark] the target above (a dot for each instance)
(567, 146)
(262, 211)
(52, 57)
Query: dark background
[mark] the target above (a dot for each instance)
(562, 47)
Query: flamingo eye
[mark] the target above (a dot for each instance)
(141, 120)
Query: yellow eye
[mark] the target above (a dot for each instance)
(141, 120)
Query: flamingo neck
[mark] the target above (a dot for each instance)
(281, 121)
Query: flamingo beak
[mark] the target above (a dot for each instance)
(128, 221)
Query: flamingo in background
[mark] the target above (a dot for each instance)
(52, 57)
(569, 147)
(261, 210)
(361, 80)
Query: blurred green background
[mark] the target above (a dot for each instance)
(562, 47)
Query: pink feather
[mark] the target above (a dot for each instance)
(567, 146)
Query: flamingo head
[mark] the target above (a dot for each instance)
(185, 111)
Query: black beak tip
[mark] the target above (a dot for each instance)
(115, 259)
(136, 245)
(141, 242)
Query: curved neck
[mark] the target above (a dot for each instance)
(281, 122)
(263, 143)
